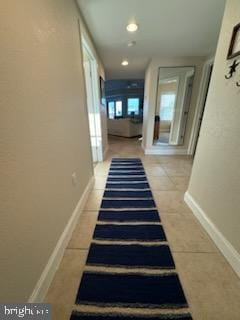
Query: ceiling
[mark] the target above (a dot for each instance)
(167, 28)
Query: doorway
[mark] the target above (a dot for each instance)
(93, 101)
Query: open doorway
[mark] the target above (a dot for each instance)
(93, 101)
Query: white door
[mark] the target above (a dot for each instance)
(93, 105)
(91, 114)
(175, 117)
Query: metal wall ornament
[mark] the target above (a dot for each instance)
(232, 69)
(234, 47)
(234, 51)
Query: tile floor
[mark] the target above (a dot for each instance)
(211, 286)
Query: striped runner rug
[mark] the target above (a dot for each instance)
(130, 273)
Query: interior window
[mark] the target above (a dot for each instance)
(111, 110)
(119, 108)
(167, 104)
(133, 106)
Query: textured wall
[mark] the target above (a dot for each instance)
(215, 180)
(43, 136)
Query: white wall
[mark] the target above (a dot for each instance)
(150, 97)
(215, 181)
(44, 136)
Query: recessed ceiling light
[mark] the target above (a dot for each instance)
(132, 27)
(171, 81)
(124, 63)
(131, 43)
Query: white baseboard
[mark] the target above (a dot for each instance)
(232, 256)
(52, 265)
(165, 151)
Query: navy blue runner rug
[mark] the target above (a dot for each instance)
(130, 273)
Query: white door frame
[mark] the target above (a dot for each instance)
(171, 140)
(204, 84)
(186, 103)
(95, 97)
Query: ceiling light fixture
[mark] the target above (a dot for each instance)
(132, 27)
(124, 63)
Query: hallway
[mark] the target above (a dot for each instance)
(80, 81)
(211, 286)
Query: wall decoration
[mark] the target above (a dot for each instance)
(232, 69)
(102, 92)
(234, 48)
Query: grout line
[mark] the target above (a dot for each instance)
(194, 252)
(71, 248)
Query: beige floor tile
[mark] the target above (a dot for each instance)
(175, 159)
(154, 170)
(101, 173)
(99, 183)
(149, 159)
(61, 312)
(83, 232)
(180, 182)
(161, 183)
(211, 286)
(63, 289)
(110, 156)
(102, 169)
(94, 200)
(185, 234)
(170, 201)
(103, 165)
(178, 169)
